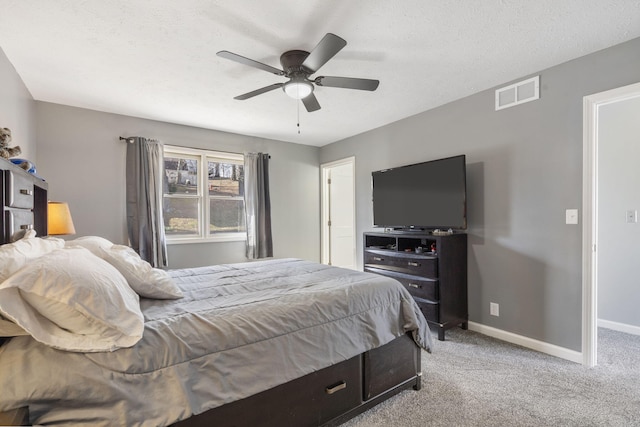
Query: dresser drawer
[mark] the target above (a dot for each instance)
(377, 257)
(420, 266)
(431, 310)
(17, 220)
(403, 263)
(312, 400)
(421, 288)
(331, 392)
(19, 191)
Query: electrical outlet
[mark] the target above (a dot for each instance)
(494, 309)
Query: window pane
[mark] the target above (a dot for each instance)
(227, 216)
(225, 179)
(181, 175)
(181, 216)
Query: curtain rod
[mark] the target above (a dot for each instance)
(130, 141)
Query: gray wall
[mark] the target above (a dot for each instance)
(524, 168)
(17, 110)
(81, 157)
(618, 241)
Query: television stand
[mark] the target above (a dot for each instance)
(433, 268)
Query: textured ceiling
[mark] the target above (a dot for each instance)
(156, 59)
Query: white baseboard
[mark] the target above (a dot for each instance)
(543, 347)
(620, 327)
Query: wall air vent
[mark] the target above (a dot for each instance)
(518, 93)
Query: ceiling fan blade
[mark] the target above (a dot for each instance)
(249, 62)
(347, 83)
(311, 103)
(258, 91)
(324, 51)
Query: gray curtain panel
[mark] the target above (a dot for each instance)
(145, 221)
(257, 205)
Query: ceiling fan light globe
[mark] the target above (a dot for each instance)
(298, 89)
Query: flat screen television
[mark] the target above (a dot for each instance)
(423, 196)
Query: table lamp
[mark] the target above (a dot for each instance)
(59, 220)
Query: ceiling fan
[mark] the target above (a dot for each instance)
(297, 66)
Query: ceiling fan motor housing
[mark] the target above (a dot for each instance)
(292, 63)
(299, 86)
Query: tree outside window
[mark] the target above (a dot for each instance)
(226, 196)
(203, 203)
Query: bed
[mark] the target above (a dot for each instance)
(274, 342)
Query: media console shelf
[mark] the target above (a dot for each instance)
(433, 269)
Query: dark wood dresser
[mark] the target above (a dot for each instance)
(432, 268)
(24, 202)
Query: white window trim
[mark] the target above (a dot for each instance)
(203, 204)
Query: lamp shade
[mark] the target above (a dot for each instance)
(59, 219)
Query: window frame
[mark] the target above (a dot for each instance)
(202, 156)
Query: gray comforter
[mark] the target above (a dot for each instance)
(241, 329)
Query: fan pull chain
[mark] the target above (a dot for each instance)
(298, 103)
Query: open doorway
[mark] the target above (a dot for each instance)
(592, 109)
(338, 213)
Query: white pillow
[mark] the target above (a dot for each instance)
(93, 243)
(13, 256)
(72, 300)
(147, 281)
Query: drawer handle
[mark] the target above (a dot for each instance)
(26, 192)
(413, 285)
(26, 227)
(332, 389)
(414, 264)
(377, 258)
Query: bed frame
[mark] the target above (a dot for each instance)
(327, 397)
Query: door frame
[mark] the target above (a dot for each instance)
(325, 241)
(591, 106)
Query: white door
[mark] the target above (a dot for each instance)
(590, 200)
(338, 214)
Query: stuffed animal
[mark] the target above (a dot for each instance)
(5, 139)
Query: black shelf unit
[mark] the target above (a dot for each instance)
(433, 269)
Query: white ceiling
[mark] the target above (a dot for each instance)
(156, 59)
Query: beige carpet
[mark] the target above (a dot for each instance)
(474, 380)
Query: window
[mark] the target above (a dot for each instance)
(203, 195)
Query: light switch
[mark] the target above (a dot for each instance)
(572, 216)
(632, 216)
